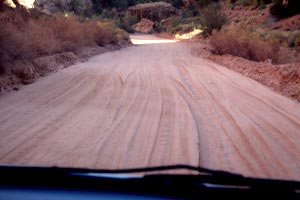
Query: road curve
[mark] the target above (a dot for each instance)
(147, 105)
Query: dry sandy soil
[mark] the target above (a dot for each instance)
(151, 104)
(281, 78)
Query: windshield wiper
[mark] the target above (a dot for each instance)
(151, 179)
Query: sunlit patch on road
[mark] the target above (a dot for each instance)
(154, 41)
(188, 35)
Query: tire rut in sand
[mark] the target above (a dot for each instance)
(151, 105)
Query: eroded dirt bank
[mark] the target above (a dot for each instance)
(284, 78)
(22, 72)
(147, 105)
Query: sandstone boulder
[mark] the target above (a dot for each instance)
(25, 3)
(154, 11)
(144, 26)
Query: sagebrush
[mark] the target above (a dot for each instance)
(26, 36)
(244, 43)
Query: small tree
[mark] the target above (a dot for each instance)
(190, 11)
(212, 18)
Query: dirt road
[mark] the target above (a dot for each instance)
(151, 104)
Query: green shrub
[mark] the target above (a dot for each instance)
(262, 6)
(212, 18)
(175, 21)
(177, 24)
(297, 41)
(127, 21)
(158, 27)
(277, 35)
(288, 38)
(191, 11)
(104, 14)
(184, 28)
(245, 3)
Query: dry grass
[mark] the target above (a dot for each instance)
(34, 44)
(26, 36)
(246, 44)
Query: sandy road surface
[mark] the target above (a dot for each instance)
(149, 105)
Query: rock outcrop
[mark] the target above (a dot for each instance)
(25, 3)
(154, 11)
(144, 26)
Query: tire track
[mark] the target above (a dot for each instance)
(151, 105)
